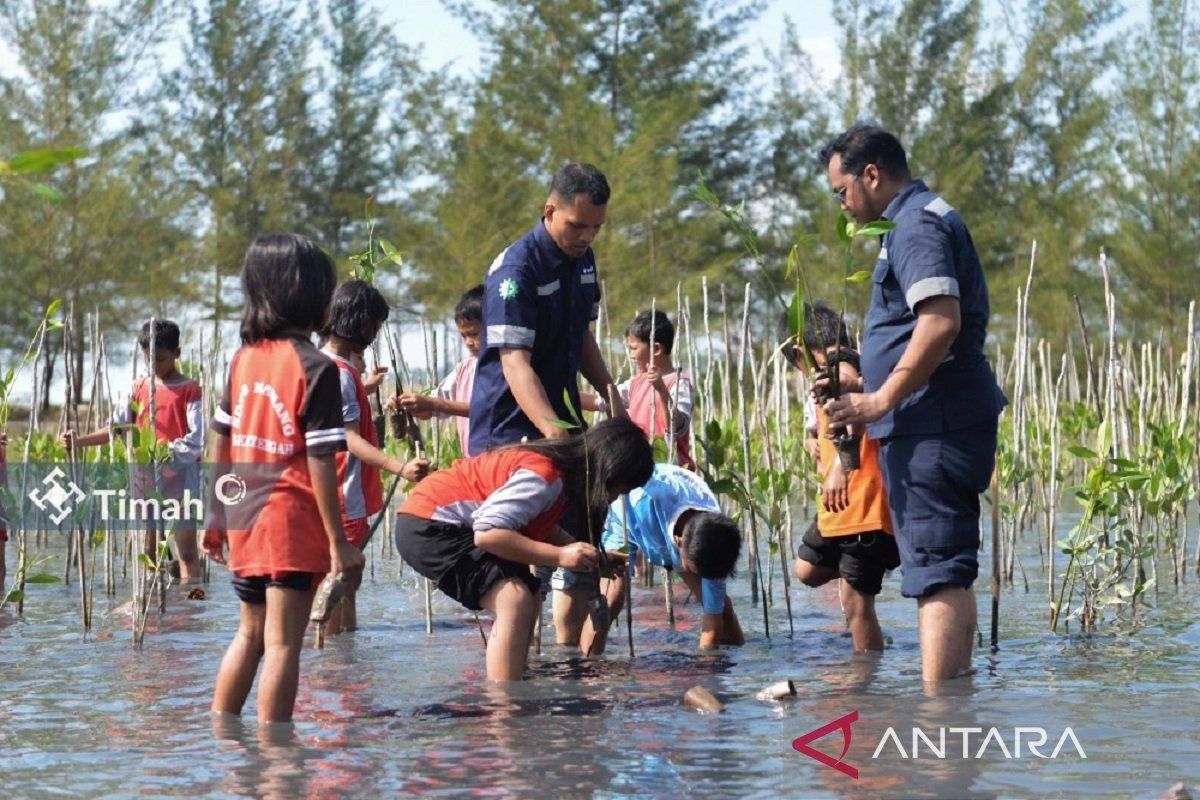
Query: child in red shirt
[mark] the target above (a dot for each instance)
(475, 528)
(279, 424)
(178, 422)
(356, 314)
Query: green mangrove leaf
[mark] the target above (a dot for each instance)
(876, 228)
(1082, 452)
(42, 577)
(43, 160)
(45, 192)
(843, 228)
(862, 276)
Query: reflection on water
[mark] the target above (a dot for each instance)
(391, 712)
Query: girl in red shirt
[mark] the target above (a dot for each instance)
(276, 432)
(357, 313)
(475, 528)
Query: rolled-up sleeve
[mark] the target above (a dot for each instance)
(922, 258)
(510, 307)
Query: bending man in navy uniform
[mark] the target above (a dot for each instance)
(540, 298)
(928, 393)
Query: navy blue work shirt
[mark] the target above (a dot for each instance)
(929, 254)
(536, 298)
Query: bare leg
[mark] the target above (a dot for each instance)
(190, 570)
(810, 574)
(591, 641)
(570, 610)
(238, 667)
(946, 620)
(344, 617)
(514, 608)
(283, 638)
(860, 615)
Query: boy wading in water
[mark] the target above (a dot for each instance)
(851, 540)
(475, 528)
(675, 520)
(279, 424)
(178, 423)
(356, 314)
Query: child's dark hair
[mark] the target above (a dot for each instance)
(824, 328)
(664, 331)
(470, 305)
(356, 313)
(712, 542)
(287, 281)
(612, 453)
(166, 336)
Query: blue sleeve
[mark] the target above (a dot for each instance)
(510, 305)
(921, 254)
(712, 595)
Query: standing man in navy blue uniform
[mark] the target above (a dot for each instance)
(540, 298)
(928, 393)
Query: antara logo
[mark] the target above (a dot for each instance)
(941, 743)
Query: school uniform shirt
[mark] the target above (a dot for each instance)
(457, 386)
(650, 514)
(643, 403)
(867, 508)
(360, 486)
(929, 254)
(536, 298)
(511, 489)
(178, 415)
(282, 404)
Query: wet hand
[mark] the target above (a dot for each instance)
(214, 545)
(578, 557)
(347, 560)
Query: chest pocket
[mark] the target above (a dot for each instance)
(885, 288)
(552, 309)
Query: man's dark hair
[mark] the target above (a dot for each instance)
(470, 305)
(287, 282)
(867, 144)
(824, 328)
(575, 179)
(166, 336)
(356, 313)
(712, 542)
(664, 331)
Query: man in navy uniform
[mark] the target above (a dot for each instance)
(928, 393)
(540, 298)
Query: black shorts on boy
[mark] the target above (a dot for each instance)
(860, 558)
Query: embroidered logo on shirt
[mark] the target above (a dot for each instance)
(508, 289)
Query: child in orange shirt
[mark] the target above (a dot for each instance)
(852, 536)
(277, 430)
(178, 422)
(356, 314)
(475, 528)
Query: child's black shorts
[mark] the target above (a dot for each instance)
(447, 555)
(253, 588)
(860, 558)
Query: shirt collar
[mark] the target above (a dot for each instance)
(913, 187)
(546, 245)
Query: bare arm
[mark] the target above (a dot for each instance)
(513, 546)
(372, 456)
(71, 440)
(529, 393)
(424, 406)
(346, 558)
(716, 629)
(938, 322)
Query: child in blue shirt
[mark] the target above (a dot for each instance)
(675, 520)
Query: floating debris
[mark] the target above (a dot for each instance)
(703, 701)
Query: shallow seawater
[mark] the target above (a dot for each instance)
(389, 711)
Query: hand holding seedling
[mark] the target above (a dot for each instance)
(855, 408)
(372, 380)
(578, 557)
(214, 545)
(414, 470)
(347, 561)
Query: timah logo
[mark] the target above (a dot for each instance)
(843, 724)
(62, 498)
